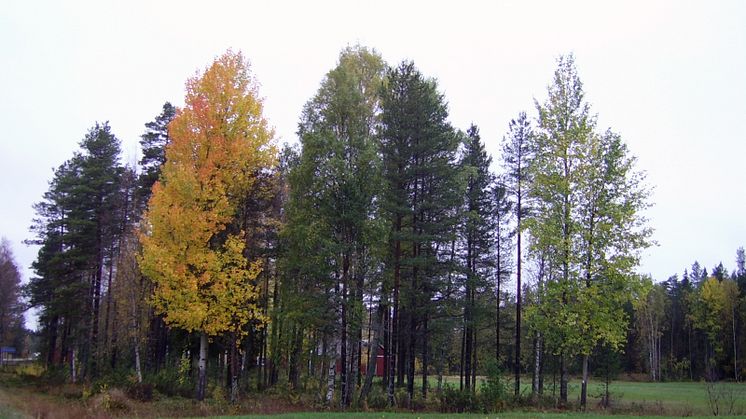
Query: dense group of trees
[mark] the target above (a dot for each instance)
(385, 234)
(12, 324)
(692, 326)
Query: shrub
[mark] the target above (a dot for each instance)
(140, 391)
(377, 398)
(492, 395)
(453, 400)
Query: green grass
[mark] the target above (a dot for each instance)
(387, 415)
(676, 398)
(680, 398)
(633, 399)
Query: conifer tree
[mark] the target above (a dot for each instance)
(423, 190)
(518, 153)
(477, 241)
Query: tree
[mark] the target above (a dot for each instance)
(192, 245)
(517, 156)
(650, 312)
(154, 142)
(590, 216)
(334, 190)
(12, 330)
(478, 227)
(422, 191)
(715, 313)
(565, 127)
(78, 227)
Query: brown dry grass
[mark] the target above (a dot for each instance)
(33, 398)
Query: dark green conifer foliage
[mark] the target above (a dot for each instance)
(77, 227)
(423, 191)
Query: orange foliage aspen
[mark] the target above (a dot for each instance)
(192, 246)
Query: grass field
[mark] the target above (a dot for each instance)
(27, 398)
(387, 415)
(672, 398)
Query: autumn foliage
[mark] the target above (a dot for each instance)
(192, 247)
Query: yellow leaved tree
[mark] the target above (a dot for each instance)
(192, 238)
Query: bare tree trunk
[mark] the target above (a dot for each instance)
(373, 352)
(584, 384)
(735, 353)
(202, 377)
(474, 364)
(109, 323)
(563, 380)
(518, 290)
(394, 332)
(134, 325)
(233, 369)
(462, 371)
(331, 374)
(344, 370)
(424, 357)
(537, 366)
(73, 367)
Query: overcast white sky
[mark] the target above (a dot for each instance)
(670, 77)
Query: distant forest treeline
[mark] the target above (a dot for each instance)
(384, 236)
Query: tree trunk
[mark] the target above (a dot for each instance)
(52, 341)
(462, 371)
(563, 380)
(394, 333)
(331, 374)
(424, 356)
(474, 364)
(373, 352)
(233, 369)
(584, 384)
(134, 326)
(73, 367)
(109, 323)
(202, 373)
(537, 367)
(138, 368)
(517, 366)
(735, 354)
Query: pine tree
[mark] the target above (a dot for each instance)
(422, 192)
(77, 228)
(518, 153)
(477, 241)
(153, 143)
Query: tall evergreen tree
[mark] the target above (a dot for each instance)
(153, 143)
(78, 229)
(477, 241)
(518, 153)
(422, 190)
